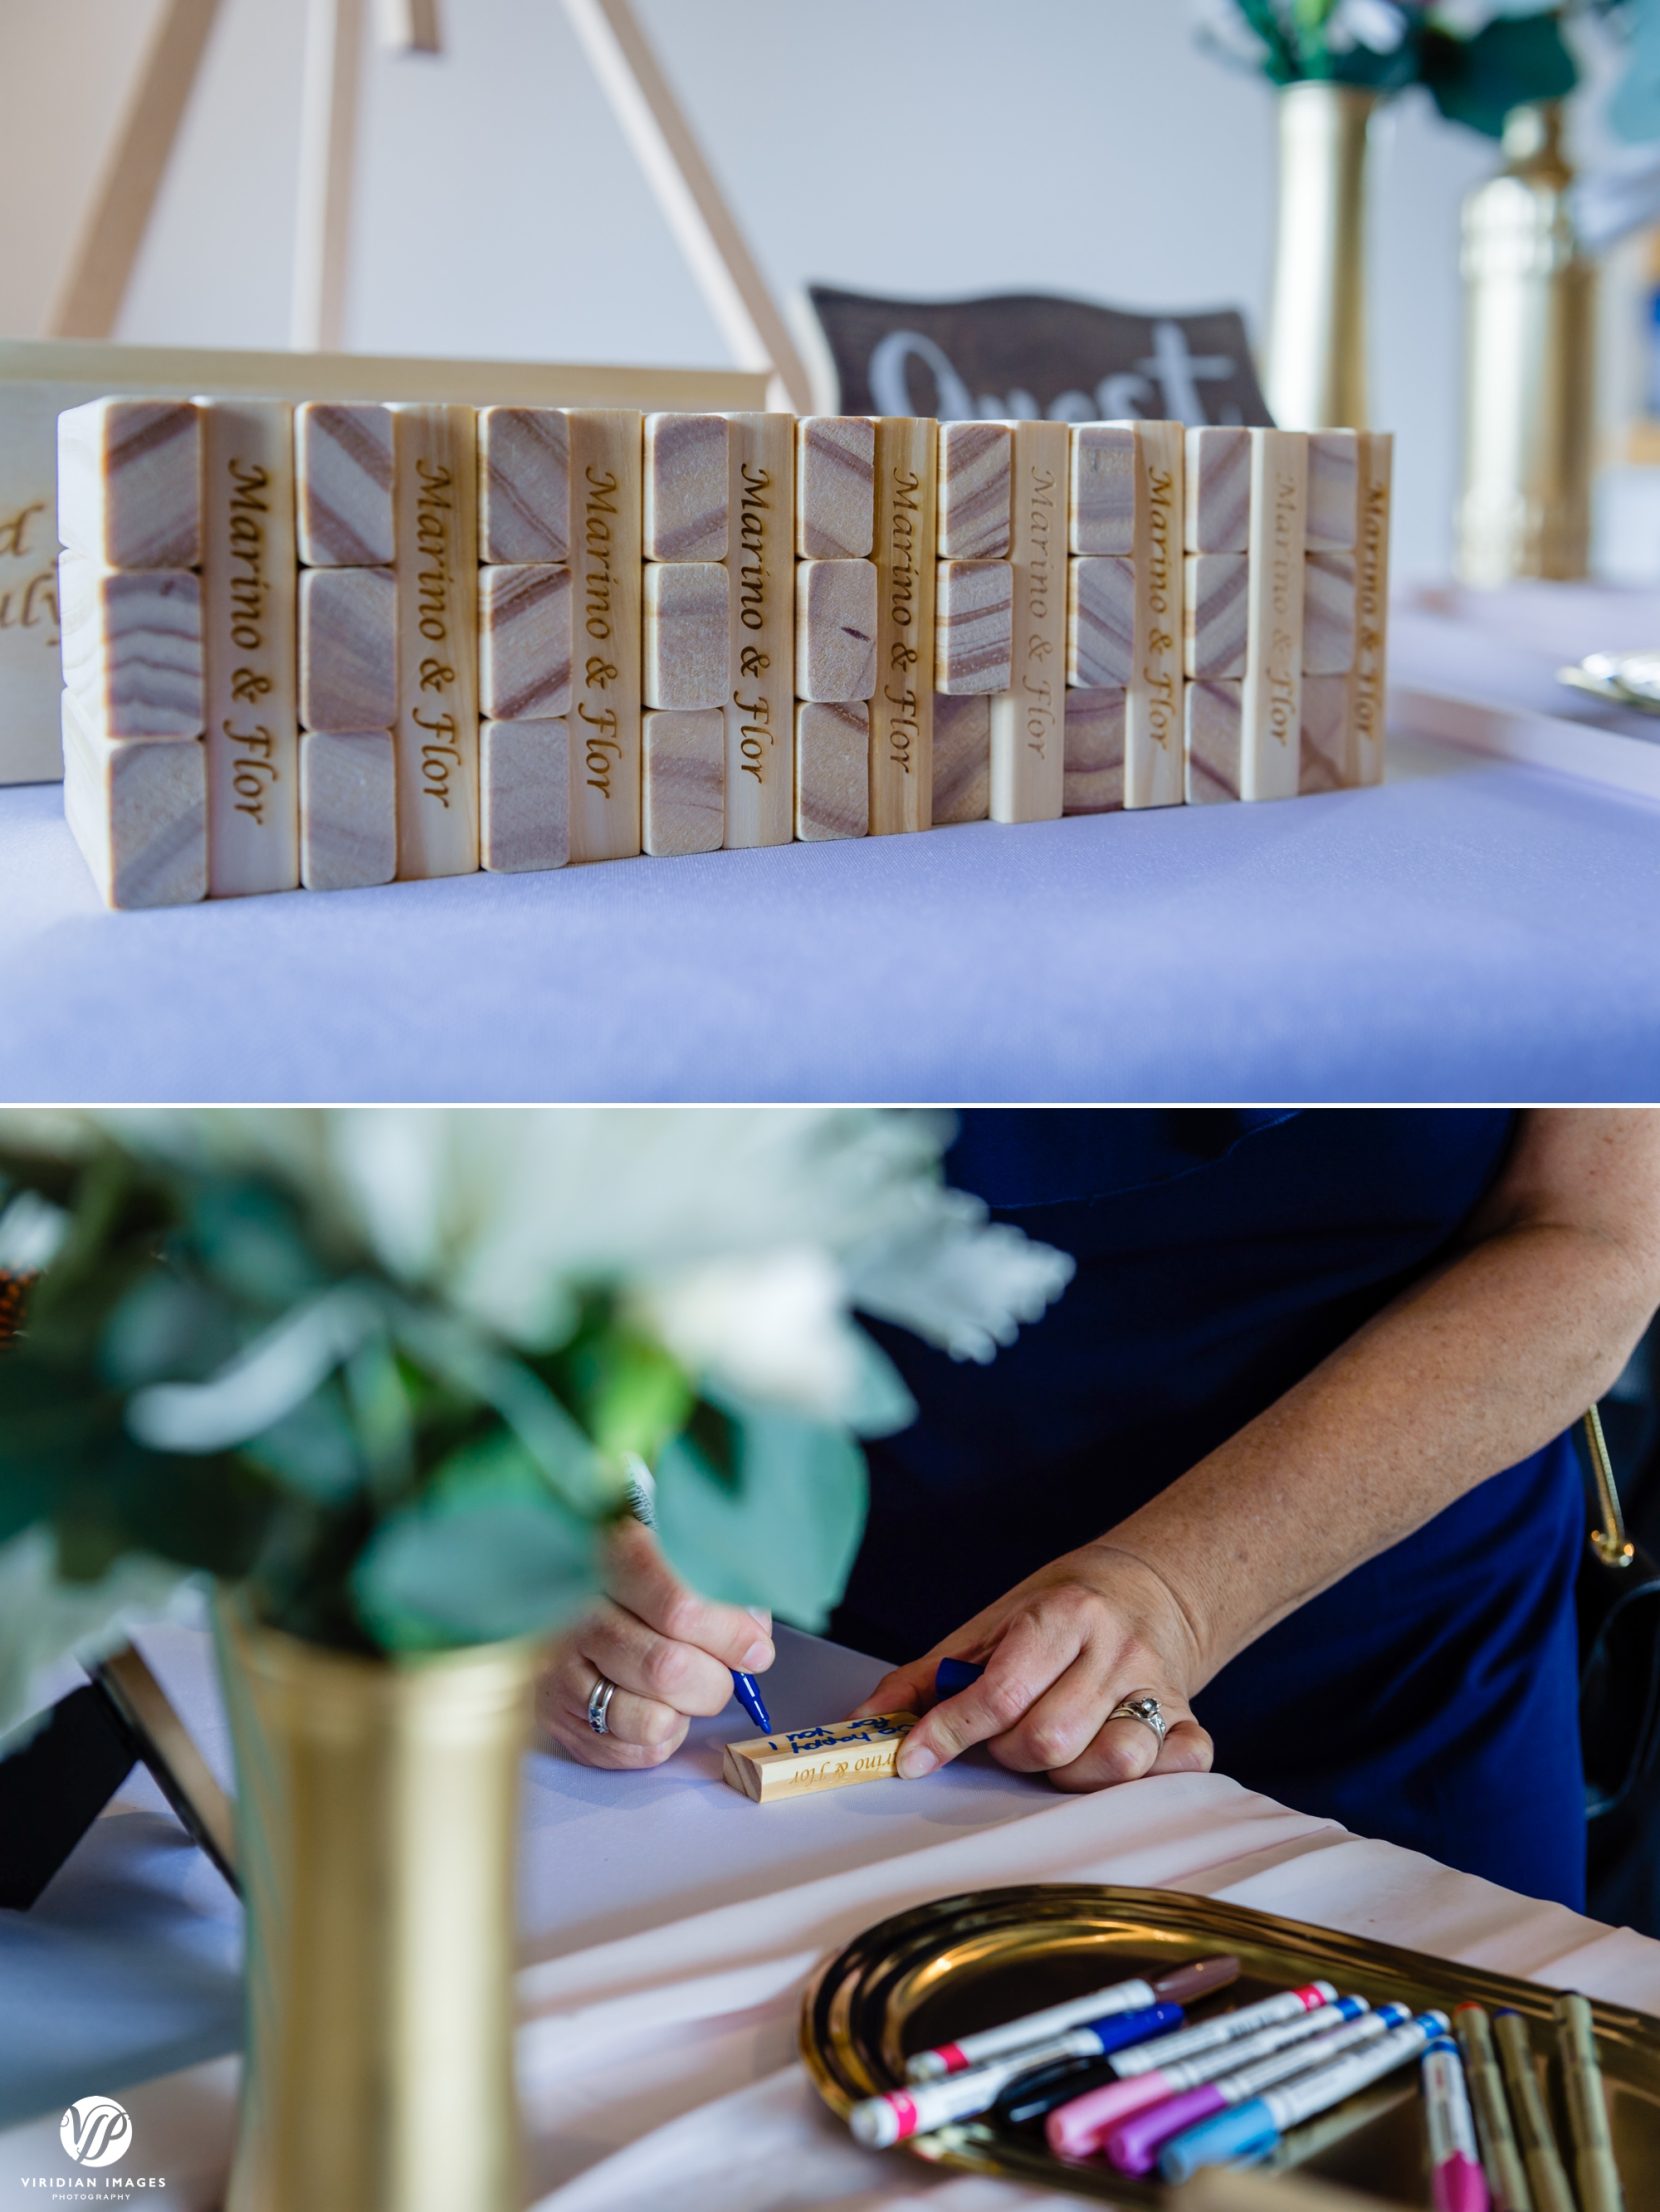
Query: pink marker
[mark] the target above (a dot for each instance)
(1456, 2179)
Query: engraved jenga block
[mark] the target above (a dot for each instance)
(1100, 621)
(1324, 761)
(524, 642)
(1333, 490)
(1153, 719)
(343, 484)
(130, 482)
(132, 647)
(1095, 739)
(962, 760)
(1270, 736)
(902, 706)
(685, 782)
(1103, 488)
(1214, 715)
(605, 449)
(524, 486)
(973, 628)
(1217, 466)
(1028, 720)
(348, 809)
(348, 648)
(137, 808)
(976, 461)
(253, 734)
(524, 775)
(835, 630)
(687, 465)
(1214, 614)
(1368, 716)
(835, 517)
(760, 753)
(1328, 614)
(832, 770)
(687, 634)
(806, 1760)
(435, 469)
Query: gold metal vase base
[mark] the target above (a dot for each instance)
(377, 1822)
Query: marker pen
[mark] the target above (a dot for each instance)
(1226, 2027)
(642, 1503)
(1594, 2169)
(1078, 2128)
(1180, 1986)
(898, 2114)
(1250, 2131)
(1502, 2159)
(1547, 2177)
(1457, 2182)
(1133, 2144)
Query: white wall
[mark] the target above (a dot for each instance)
(912, 145)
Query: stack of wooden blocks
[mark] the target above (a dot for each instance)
(341, 643)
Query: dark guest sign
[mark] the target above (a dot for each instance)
(1026, 355)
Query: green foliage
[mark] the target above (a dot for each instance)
(1512, 62)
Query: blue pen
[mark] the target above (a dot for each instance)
(642, 1503)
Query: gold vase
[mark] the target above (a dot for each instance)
(1530, 366)
(1314, 369)
(377, 1826)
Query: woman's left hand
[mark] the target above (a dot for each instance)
(1060, 1651)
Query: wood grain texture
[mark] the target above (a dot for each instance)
(1368, 717)
(248, 646)
(1153, 721)
(1216, 603)
(1102, 491)
(1100, 621)
(902, 705)
(348, 809)
(687, 467)
(807, 1760)
(962, 760)
(1323, 763)
(1270, 735)
(137, 809)
(760, 748)
(1333, 490)
(348, 648)
(435, 469)
(130, 482)
(1217, 502)
(832, 771)
(343, 484)
(687, 618)
(835, 630)
(685, 783)
(835, 487)
(524, 778)
(606, 448)
(1215, 714)
(1328, 614)
(132, 647)
(524, 642)
(976, 490)
(1095, 744)
(524, 485)
(1028, 720)
(973, 628)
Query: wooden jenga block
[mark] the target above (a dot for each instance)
(687, 635)
(524, 486)
(973, 628)
(1216, 603)
(1270, 733)
(130, 482)
(132, 647)
(962, 759)
(1100, 621)
(137, 808)
(835, 630)
(1368, 713)
(1215, 712)
(807, 1760)
(524, 642)
(976, 462)
(605, 450)
(1328, 614)
(835, 487)
(687, 467)
(524, 776)
(1324, 759)
(1217, 465)
(253, 733)
(435, 469)
(685, 782)
(348, 809)
(1153, 721)
(902, 706)
(1095, 742)
(343, 484)
(1103, 488)
(348, 648)
(760, 751)
(1333, 490)
(832, 770)
(1028, 720)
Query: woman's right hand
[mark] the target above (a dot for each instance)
(670, 1653)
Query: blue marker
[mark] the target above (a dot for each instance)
(642, 1503)
(952, 1675)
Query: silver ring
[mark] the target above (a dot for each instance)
(1146, 1710)
(599, 1704)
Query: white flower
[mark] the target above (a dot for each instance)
(1378, 25)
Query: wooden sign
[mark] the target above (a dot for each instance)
(827, 1758)
(1022, 355)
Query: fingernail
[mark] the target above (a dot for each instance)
(759, 1654)
(916, 1759)
(760, 1613)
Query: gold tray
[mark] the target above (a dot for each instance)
(957, 1964)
